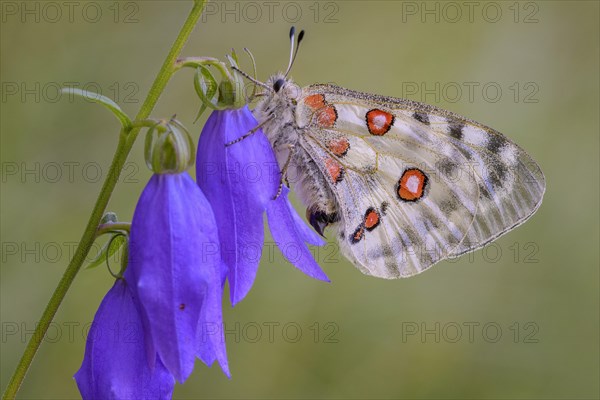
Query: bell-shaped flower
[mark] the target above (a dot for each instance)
(241, 181)
(175, 264)
(115, 364)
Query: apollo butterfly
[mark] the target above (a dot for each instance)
(405, 183)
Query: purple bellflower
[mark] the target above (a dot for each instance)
(171, 290)
(240, 181)
(115, 364)
(174, 268)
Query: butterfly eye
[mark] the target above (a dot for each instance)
(278, 85)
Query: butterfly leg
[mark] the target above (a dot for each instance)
(284, 179)
(250, 133)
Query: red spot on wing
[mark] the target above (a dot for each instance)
(315, 101)
(372, 219)
(334, 169)
(411, 186)
(325, 113)
(379, 122)
(326, 116)
(339, 146)
(358, 234)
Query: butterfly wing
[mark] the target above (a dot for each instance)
(415, 184)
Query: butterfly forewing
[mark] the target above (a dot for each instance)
(414, 183)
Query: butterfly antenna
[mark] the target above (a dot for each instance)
(292, 44)
(251, 79)
(294, 49)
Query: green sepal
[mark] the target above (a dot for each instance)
(169, 148)
(203, 108)
(229, 93)
(103, 100)
(254, 72)
(124, 260)
(236, 84)
(110, 248)
(234, 56)
(206, 87)
(157, 129)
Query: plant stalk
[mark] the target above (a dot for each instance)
(126, 142)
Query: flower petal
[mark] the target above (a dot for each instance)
(238, 180)
(210, 334)
(115, 364)
(173, 251)
(289, 238)
(306, 233)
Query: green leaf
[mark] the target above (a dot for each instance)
(108, 250)
(103, 100)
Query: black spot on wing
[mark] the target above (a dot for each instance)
(448, 167)
(456, 130)
(384, 207)
(414, 240)
(465, 152)
(421, 117)
(495, 143)
(432, 220)
(390, 260)
(448, 206)
(483, 191)
(498, 173)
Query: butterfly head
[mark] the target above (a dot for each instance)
(283, 89)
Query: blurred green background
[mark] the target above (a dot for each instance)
(518, 320)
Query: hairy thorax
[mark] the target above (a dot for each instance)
(277, 110)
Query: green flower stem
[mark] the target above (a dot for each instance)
(113, 227)
(126, 141)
